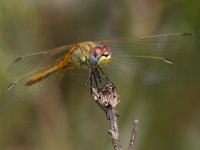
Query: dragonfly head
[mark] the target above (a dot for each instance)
(100, 55)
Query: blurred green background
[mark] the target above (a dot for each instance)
(168, 111)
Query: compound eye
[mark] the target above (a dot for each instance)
(106, 49)
(96, 51)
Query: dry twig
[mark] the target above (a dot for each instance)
(104, 93)
(133, 135)
(107, 98)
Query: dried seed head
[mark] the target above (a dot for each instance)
(106, 95)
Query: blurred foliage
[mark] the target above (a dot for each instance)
(168, 110)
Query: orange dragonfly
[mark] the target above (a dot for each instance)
(38, 70)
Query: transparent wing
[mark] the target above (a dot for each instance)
(161, 45)
(25, 64)
(148, 58)
(124, 70)
(18, 92)
(79, 75)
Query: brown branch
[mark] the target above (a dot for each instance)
(107, 98)
(114, 133)
(104, 93)
(133, 135)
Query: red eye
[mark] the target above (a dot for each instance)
(106, 49)
(96, 51)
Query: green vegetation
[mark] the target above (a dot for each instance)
(167, 109)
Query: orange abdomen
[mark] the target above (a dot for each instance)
(39, 76)
(61, 64)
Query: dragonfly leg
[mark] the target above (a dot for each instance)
(104, 76)
(102, 89)
(93, 80)
(89, 81)
(89, 77)
(94, 85)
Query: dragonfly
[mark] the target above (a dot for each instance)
(35, 72)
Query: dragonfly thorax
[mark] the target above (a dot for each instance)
(100, 55)
(90, 53)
